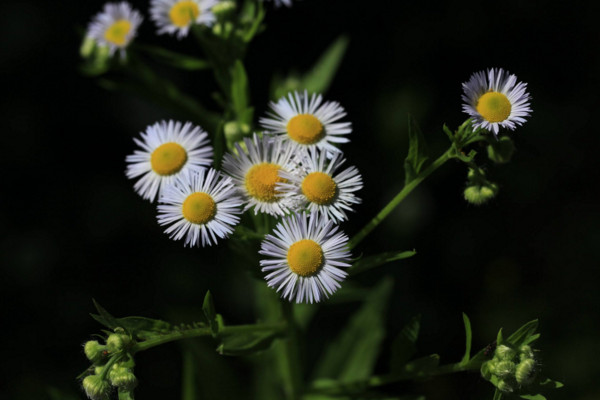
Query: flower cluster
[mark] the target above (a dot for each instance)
(511, 368)
(292, 171)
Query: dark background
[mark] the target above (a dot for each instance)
(73, 229)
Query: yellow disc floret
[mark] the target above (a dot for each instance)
(168, 159)
(260, 182)
(494, 107)
(117, 32)
(305, 129)
(183, 13)
(199, 208)
(305, 257)
(319, 188)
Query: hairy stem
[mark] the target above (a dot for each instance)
(406, 190)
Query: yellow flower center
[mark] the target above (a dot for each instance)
(199, 208)
(117, 32)
(305, 257)
(305, 129)
(182, 14)
(260, 181)
(168, 159)
(494, 107)
(320, 188)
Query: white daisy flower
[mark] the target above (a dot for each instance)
(495, 100)
(255, 169)
(319, 187)
(306, 256)
(308, 121)
(167, 150)
(199, 206)
(115, 26)
(279, 3)
(178, 16)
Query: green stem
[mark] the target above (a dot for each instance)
(288, 356)
(201, 332)
(406, 190)
(381, 380)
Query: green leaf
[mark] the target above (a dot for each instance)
(370, 262)
(240, 93)
(499, 338)
(448, 132)
(417, 151)
(422, 365)
(533, 397)
(208, 307)
(173, 59)
(403, 347)
(523, 334)
(242, 343)
(352, 355)
(104, 316)
(469, 338)
(144, 328)
(319, 78)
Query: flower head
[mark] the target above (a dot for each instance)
(115, 26)
(255, 169)
(496, 100)
(167, 150)
(308, 121)
(178, 16)
(320, 187)
(306, 255)
(199, 207)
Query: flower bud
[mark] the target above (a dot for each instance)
(480, 194)
(504, 386)
(117, 342)
(525, 371)
(504, 369)
(94, 351)
(501, 150)
(87, 47)
(122, 377)
(95, 387)
(526, 353)
(223, 8)
(505, 353)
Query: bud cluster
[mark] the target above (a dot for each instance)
(510, 368)
(113, 366)
(479, 190)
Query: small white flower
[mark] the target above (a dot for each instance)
(167, 150)
(178, 16)
(200, 207)
(495, 100)
(115, 26)
(319, 187)
(306, 257)
(308, 121)
(255, 169)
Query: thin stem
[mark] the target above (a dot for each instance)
(288, 357)
(200, 332)
(406, 190)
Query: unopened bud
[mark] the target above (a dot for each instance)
(94, 351)
(501, 150)
(117, 342)
(505, 353)
(525, 371)
(95, 387)
(504, 369)
(480, 194)
(87, 47)
(526, 353)
(122, 377)
(223, 8)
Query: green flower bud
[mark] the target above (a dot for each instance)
(87, 47)
(526, 353)
(117, 342)
(504, 369)
(525, 371)
(123, 378)
(98, 370)
(505, 387)
(505, 353)
(94, 351)
(501, 150)
(480, 194)
(95, 387)
(234, 131)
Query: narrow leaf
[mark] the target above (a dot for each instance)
(523, 333)
(499, 338)
(240, 344)
(319, 78)
(240, 93)
(174, 59)
(417, 151)
(208, 307)
(352, 355)
(403, 347)
(469, 338)
(104, 316)
(422, 365)
(370, 262)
